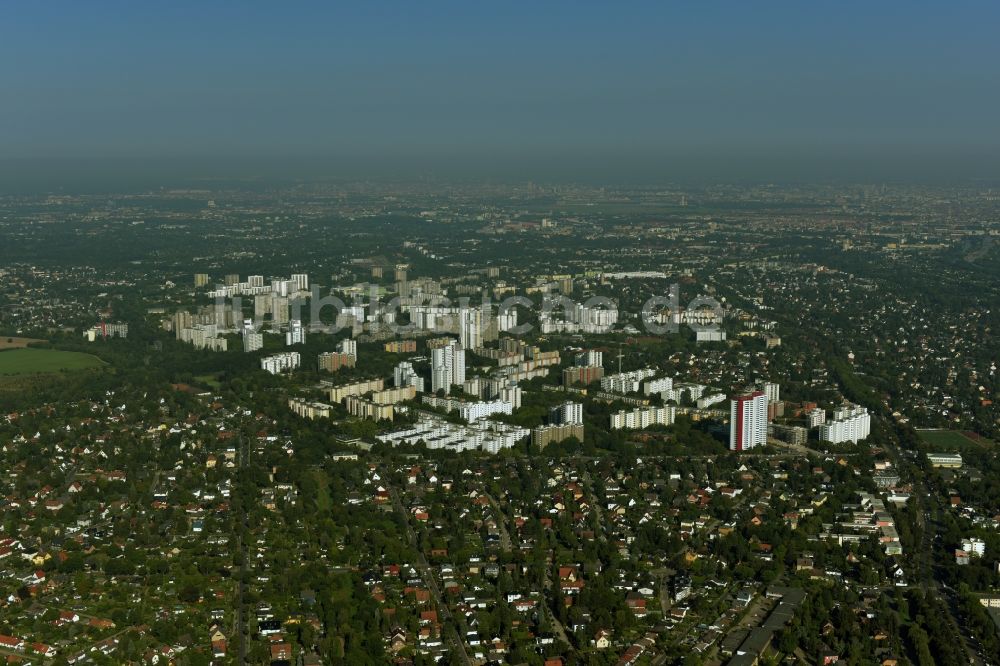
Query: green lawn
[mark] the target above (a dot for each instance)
(211, 381)
(37, 361)
(945, 438)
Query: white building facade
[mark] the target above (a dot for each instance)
(748, 421)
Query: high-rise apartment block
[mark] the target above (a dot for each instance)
(279, 309)
(252, 341)
(850, 423)
(334, 361)
(511, 393)
(404, 375)
(566, 413)
(470, 328)
(582, 374)
(296, 334)
(626, 382)
(544, 435)
(816, 417)
(643, 417)
(447, 366)
(658, 385)
(400, 346)
(348, 346)
(106, 330)
(748, 421)
(589, 357)
(772, 390)
(278, 363)
(339, 393)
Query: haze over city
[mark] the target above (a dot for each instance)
(591, 91)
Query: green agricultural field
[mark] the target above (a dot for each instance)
(949, 439)
(40, 361)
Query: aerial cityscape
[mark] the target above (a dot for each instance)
(285, 406)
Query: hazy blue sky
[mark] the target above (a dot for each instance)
(726, 89)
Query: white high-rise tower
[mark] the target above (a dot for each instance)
(748, 421)
(447, 366)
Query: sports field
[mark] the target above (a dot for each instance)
(945, 438)
(39, 361)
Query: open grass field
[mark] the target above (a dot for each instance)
(41, 361)
(7, 342)
(210, 381)
(948, 439)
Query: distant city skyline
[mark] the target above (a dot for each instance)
(590, 92)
